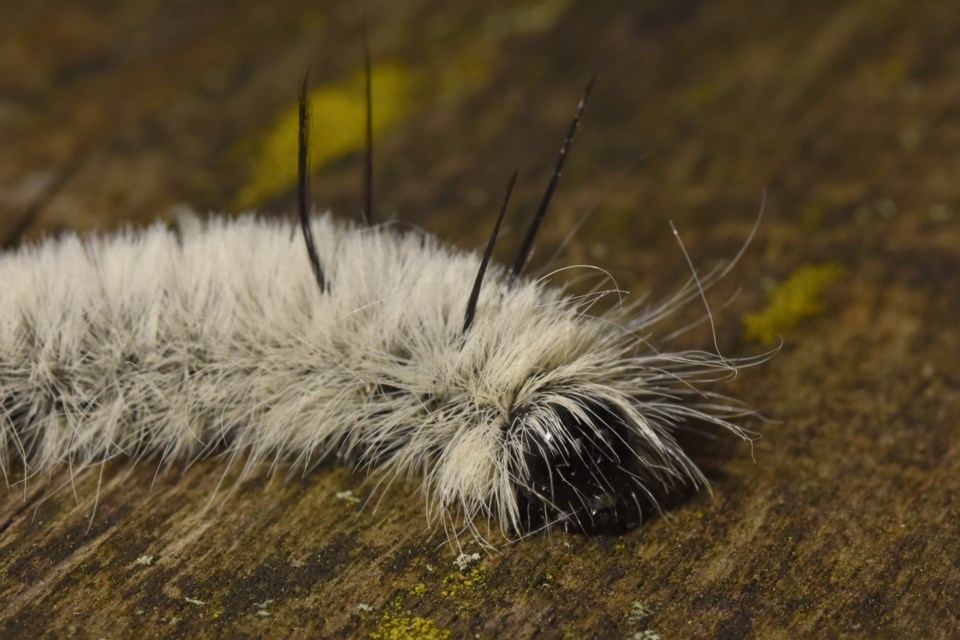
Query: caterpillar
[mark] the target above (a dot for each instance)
(509, 399)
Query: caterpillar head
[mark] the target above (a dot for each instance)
(579, 471)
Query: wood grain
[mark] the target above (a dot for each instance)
(840, 522)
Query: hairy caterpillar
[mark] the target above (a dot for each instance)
(508, 400)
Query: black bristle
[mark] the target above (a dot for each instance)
(367, 212)
(526, 249)
(475, 294)
(303, 180)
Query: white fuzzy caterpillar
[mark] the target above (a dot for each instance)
(152, 343)
(177, 344)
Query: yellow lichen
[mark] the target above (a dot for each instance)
(795, 299)
(338, 114)
(398, 627)
(458, 584)
(339, 110)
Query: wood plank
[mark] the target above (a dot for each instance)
(840, 522)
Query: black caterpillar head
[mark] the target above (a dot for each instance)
(580, 474)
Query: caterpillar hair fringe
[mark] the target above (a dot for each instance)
(390, 351)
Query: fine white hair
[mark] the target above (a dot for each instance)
(173, 344)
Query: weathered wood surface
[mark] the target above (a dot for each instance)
(842, 522)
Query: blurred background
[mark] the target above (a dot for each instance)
(122, 112)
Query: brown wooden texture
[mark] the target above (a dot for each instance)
(841, 521)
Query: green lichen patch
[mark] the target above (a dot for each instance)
(795, 299)
(338, 112)
(395, 625)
